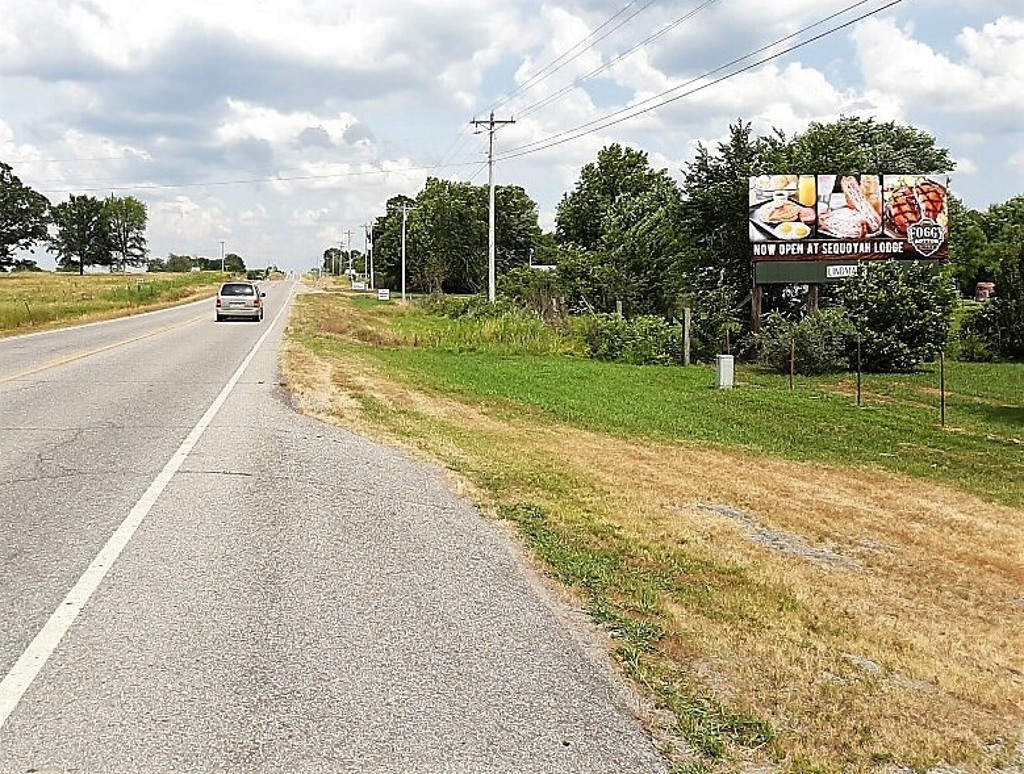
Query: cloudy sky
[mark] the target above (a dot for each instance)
(282, 126)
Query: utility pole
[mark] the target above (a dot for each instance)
(348, 250)
(405, 217)
(222, 256)
(368, 248)
(491, 125)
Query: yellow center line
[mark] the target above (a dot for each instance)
(98, 350)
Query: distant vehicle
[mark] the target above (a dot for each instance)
(241, 300)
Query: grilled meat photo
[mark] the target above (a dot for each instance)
(909, 203)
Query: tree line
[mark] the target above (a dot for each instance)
(86, 232)
(82, 232)
(630, 240)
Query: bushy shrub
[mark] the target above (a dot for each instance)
(475, 307)
(902, 312)
(644, 340)
(975, 335)
(817, 344)
(532, 289)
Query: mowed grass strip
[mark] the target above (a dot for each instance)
(792, 580)
(981, 449)
(38, 300)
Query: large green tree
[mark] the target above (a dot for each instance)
(127, 218)
(447, 236)
(901, 314)
(24, 216)
(718, 271)
(1005, 226)
(450, 233)
(854, 145)
(387, 241)
(83, 237)
(969, 252)
(625, 214)
(716, 266)
(333, 261)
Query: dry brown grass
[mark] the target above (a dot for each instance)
(35, 301)
(883, 617)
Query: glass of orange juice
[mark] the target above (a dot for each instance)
(805, 190)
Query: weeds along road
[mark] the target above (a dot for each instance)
(194, 578)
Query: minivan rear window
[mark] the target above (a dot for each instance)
(237, 289)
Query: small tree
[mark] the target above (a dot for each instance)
(533, 289)
(817, 344)
(234, 264)
(178, 263)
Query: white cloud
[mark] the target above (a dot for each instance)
(988, 81)
(337, 105)
(965, 166)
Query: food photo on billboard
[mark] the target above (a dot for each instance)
(802, 217)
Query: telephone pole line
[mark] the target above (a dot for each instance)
(348, 250)
(491, 125)
(368, 248)
(404, 208)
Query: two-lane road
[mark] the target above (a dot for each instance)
(193, 578)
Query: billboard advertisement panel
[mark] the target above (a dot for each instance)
(848, 217)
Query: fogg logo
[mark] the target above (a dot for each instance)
(926, 236)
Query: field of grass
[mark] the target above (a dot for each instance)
(795, 582)
(39, 300)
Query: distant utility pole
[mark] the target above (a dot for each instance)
(368, 248)
(348, 250)
(222, 255)
(405, 216)
(491, 125)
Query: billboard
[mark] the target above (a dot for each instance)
(848, 218)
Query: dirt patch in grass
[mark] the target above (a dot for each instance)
(870, 618)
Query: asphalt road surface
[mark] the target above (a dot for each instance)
(193, 578)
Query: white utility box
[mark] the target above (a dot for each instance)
(724, 372)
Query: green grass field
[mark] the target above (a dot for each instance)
(37, 300)
(897, 427)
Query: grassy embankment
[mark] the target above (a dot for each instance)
(32, 301)
(792, 580)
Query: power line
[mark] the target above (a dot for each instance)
(250, 181)
(625, 114)
(530, 109)
(568, 56)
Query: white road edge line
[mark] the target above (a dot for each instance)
(30, 663)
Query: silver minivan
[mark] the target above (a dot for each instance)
(240, 300)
